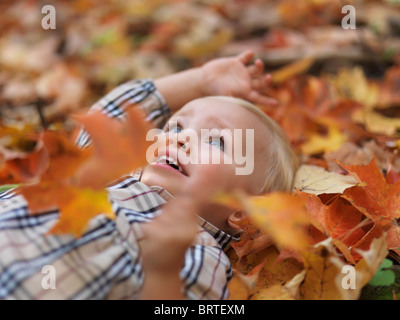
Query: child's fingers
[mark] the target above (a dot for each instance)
(246, 57)
(257, 98)
(256, 70)
(267, 80)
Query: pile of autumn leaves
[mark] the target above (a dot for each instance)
(296, 245)
(333, 219)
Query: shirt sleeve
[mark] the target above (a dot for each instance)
(206, 273)
(136, 93)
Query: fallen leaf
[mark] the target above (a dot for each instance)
(321, 272)
(318, 143)
(373, 195)
(375, 198)
(353, 84)
(317, 180)
(282, 216)
(24, 167)
(377, 123)
(291, 70)
(338, 220)
(372, 259)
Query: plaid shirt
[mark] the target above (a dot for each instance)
(105, 263)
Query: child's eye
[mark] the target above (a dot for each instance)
(174, 128)
(218, 142)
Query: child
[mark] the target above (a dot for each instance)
(168, 240)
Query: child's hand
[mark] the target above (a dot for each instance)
(166, 239)
(168, 236)
(164, 244)
(234, 77)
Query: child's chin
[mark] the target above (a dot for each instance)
(150, 178)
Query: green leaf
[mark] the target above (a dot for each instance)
(383, 276)
(386, 264)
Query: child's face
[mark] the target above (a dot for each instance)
(200, 172)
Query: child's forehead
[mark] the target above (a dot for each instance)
(212, 107)
(222, 113)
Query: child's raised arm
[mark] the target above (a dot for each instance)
(166, 240)
(233, 76)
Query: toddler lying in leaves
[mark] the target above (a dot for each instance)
(168, 238)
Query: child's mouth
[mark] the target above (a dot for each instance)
(169, 162)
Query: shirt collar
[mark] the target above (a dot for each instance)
(223, 239)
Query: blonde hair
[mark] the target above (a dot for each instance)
(281, 162)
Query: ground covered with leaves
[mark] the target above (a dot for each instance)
(339, 102)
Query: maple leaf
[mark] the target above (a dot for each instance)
(280, 215)
(24, 168)
(84, 205)
(377, 200)
(119, 147)
(76, 206)
(338, 220)
(72, 177)
(23, 157)
(65, 156)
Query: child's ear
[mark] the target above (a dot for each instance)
(235, 218)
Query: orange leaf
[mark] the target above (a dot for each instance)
(84, 205)
(65, 156)
(287, 72)
(24, 168)
(118, 147)
(375, 198)
(76, 206)
(338, 220)
(281, 215)
(45, 196)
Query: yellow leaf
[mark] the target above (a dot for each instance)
(352, 84)
(324, 271)
(276, 292)
(281, 215)
(317, 180)
(324, 144)
(377, 123)
(76, 213)
(291, 70)
(321, 272)
(364, 270)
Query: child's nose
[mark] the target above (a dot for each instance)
(178, 140)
